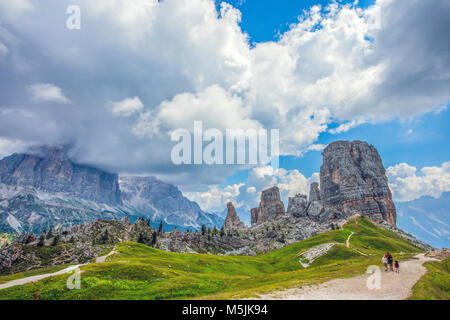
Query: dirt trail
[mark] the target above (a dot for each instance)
(394, 286)
(348, 239)
(26, 280)
(103, 258)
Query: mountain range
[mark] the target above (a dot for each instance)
(427, 218)
(45, 189)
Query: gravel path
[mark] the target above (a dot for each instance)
(394, 286)
(348, 239)
(22, 281)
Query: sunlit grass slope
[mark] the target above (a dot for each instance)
(141, 272)
(435, 284)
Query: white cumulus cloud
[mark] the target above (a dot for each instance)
(47, 92)
(127, 107)
(408, 184)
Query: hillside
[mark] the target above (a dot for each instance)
(137, 271)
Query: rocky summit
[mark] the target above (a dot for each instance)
(50, 170)
(232, 221)
(353, 181)
(45, 189)
(269, 208)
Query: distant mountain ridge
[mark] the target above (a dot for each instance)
(45, 189)
(427, 218)
(163, 201)
(52, 171)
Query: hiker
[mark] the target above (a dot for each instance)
(391, 262)
(385, 263)
(397, 267)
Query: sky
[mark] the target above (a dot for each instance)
(116, 88)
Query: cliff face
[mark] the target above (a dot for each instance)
(232, 221)
(353, 180)
(314, 192)
(269, 208)
(45, 189)
(52, 171)
(161, 201)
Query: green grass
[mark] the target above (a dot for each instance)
(435, 284)
(141, 272)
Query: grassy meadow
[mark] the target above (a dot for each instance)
(141, 272)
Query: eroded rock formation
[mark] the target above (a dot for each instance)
(232, 221)
(298, 206)
(353, 180)
(314, 192)
(269, 208)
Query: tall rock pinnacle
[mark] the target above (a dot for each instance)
(353, 180)
(269, 208)
(232, 221)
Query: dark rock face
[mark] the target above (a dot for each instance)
(314, 192)
(52, 171)
(232, 221)
(298, 206)
(353, 180)
(269, 208)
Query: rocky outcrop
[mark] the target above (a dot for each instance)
(298, 206)
(78, 244)
(314, 192)
(353, 181)
(232, 221)
(269, 208)
(50, 169)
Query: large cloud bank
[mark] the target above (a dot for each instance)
(117, 88)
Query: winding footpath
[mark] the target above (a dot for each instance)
(393, 286)
(348, 239)
(26, 280)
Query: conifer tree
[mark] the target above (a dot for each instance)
(55, 240)
(49, 234)
(203, 229)
(41, 240)
(105, 237)
(154, 239)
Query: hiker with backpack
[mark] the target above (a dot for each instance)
(390, 261)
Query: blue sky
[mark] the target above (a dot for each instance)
(421, 141)
(264, 20)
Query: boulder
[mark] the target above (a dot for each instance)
(298, 206)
